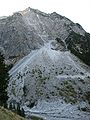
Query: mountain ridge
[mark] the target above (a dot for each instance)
(20, 31)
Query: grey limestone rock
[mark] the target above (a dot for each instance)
(29, 29)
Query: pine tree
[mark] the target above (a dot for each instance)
(22, 112)
(10, 106)
(18, 109)
(4, 77)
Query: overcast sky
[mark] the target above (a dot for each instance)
(76, 10)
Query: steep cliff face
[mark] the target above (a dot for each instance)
(29, 29)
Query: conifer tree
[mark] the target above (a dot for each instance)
(18, 109)
(22, 112)
(4, 77)
(10, 106)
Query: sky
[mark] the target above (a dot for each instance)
(75, 10)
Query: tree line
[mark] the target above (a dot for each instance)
(4, 80)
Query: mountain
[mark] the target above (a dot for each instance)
(51, 76)
(79, 45)
(29, 29)
(51, 57)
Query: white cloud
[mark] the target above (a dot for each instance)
(76, 10)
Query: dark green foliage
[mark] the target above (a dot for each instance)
(31, 105)
(80, 46)
(4, 77)
(22, 112)
(68, 92)
(87, 96)
(5, 105)
(85, 109)
(36, 118)
(19, 111)
(10, 106)
(9, 66)
(25, 90)
(60, 42)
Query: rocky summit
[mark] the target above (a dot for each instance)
(51, 57)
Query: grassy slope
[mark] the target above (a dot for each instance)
(8, 115)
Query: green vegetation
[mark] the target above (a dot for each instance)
(4, 77)
(25, 90)
(79, 46)
(36, 118)
(87, 96)
(39, 76)
(31, 105)
(42, 79)
(17, 109)
(8, 115)
(68, 92)
(85, 109)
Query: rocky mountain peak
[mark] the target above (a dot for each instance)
(29, 29)
(27, 10)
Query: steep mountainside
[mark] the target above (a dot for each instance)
(42, 68)
(29, 29)
(79, 46)
(48, 78)
(54, 75)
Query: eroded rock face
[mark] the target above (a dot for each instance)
(52, 81)
(46, 73)
(29, 29)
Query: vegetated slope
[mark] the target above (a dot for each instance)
(50, 74)
(79, 45)
(8, 115)
(29, 29)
